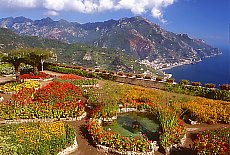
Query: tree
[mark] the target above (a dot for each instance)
(37, 56)
(15, 57)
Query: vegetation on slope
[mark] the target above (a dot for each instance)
(79, 54)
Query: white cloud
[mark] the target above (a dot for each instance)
(74, 5)
(19, 3)
(105, 5)
(158, 14)
(143, 6)
(137, 7)
(51, 13)
(57, 5)
(90, 6)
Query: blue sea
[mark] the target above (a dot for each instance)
(212, 70)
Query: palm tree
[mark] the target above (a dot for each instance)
(15, 57)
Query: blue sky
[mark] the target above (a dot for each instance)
(204, 19)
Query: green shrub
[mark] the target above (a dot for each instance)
(82, 82)
(198, 91)
(6, 69)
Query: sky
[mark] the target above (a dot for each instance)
(204, 19)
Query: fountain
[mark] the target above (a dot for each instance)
(135, 123)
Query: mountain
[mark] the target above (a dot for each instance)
(73, 54)
(136, 36)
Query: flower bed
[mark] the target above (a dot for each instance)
(56, 100)
(40, 75)
(117, 142)
(213, 142)
(36, 138)
(172, 129)
(15, 87)
(208, 111)
(70, 77)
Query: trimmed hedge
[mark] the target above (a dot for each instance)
(84, 73)
(198, 91)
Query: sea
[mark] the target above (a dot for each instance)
(211, 70)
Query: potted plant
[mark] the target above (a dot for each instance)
(170, 80)
(121, 73)
(129, 75)
(139, 76)
(90, 69)
(184, 82)
(196, 84)
(148, 77)
(225, 87)
(210, 85)
(112, 73)
(104, 71)
(97, 70)
(159, 78)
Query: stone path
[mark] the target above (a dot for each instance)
(85, 146)
(4, 79)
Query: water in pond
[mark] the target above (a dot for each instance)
(148, 125)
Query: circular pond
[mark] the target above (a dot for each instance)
(135, 123)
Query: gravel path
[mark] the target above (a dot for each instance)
(85, 146)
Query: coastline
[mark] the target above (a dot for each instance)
(170, 67)
(190, 63)
(208, 71)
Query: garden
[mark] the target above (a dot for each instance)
(69, 96)
(171, 110)
(33, 115)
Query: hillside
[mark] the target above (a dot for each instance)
(77, 54)
(136, 36)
